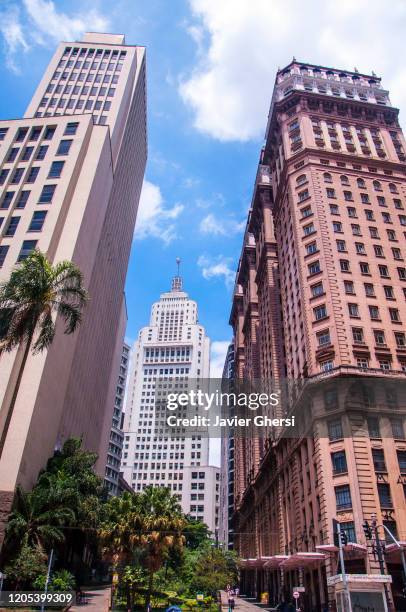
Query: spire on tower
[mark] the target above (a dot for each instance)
(177, 284)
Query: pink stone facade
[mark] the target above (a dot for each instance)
(321, 292)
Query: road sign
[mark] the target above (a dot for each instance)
(199, 596)
(296, 595)
(299, 589)
(115, 578)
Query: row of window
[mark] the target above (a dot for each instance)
(27, 247)
(35, 132)
(14, 153)
(365, 269)
(320, 312)
(336, 432)
(339, 461)
(37, 221)
(323, 337)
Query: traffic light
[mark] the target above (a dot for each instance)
(344, 538)
(367, 530)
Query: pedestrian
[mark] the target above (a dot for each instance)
(231, 604)
(237, 591)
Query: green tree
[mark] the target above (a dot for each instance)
(36, 518)
(148, 524)
(196, 533)
(35, 292)
(30, 563)
(214, 569)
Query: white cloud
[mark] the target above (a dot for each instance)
(40, 23)
(11, 30)
(220, 227)
(153, 218)
(217, 267)
(230, 88)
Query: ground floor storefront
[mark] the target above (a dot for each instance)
(271, 580)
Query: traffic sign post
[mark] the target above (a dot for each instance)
(296, 596)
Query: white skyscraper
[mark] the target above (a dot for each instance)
(174, 346)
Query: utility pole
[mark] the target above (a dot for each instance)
(378, 549)
(51, 558)
(402, 552)
(340, 538)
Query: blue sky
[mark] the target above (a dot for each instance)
(210, 68)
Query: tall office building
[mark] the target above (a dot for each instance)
(71, 173)
(115, 448)
(227, 461)
(174, 347)
(320, 296)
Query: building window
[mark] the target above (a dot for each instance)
(311, 248)
(337, 227)
(37, 221)
(335, 430)
(64, 147)
(12, 226)
(314, 267)
(7, 199)
(369, 290)
(373, 427)
(27, 248)
(400, 339)
(402, 273)
(345, 265)
(326, 366)
(374, 312)
(343, 497)
(71, 129)
(23, 199)
(339, 462)
(358, 335)
(12, 156)
(3, 132)
(394, 315)
(317, 290)
(35, 133)
(362, 362)
(47, 194)
(378, 458)
(32, 174)
(349, 287)
(341, 246)
(320, 312)
(56, 169)
(385, 498)
(353, 310)
(3, 175)
(330, 192)
(17, 175)
(3, 252)
(365, 198)
(379, 336)
(349, 529)
(360, 248)
(398, 431)
(383, 271)
(323, 337)
(378, 250)
(402, 460)
(42, 151)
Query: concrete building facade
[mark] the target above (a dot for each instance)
(320, 295)
(227, 462)
(174, 348)
(115, 448)
(71, 173)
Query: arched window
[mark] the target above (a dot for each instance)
(361, 183)
(377, 186)
(393, 188)
(301, 179)
(327, 177)
(344, 180)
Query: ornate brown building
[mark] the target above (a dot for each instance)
(320, 297)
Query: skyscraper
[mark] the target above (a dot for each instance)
(174, 347)
(115, 448)
(71, 172)
(227, 462)
(320, 296)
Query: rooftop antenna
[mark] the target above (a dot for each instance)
(177, 280)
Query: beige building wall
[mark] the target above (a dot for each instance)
(66, 391)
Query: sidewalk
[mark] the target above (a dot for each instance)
(243, 604)
(98, 601)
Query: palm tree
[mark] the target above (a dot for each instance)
(36, 520)
(149, 523)
(35, 292)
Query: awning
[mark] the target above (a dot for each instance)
(392, 551)
(303, 559)
(275, 561)
(352, 550)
